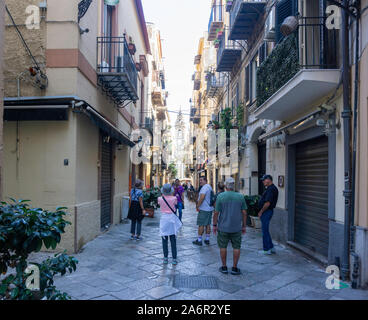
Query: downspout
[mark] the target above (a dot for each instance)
(346, 116)
(356, 269)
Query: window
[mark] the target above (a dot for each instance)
(284, 9)
(235, 99)
(247, 85)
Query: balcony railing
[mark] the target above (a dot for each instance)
(116, 70)
(243, 17)
(216, 21)
(301, 69)
(214, 84)
(228, 54)
(312, 47)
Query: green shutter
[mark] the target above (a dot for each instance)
(284, 9)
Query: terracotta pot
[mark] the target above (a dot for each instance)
(150, 212)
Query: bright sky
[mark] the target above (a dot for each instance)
(182, 24)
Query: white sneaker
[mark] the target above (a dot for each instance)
(273, 250)
(265, 252)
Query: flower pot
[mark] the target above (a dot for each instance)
(150, 212)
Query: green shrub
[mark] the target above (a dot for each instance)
(24, 230)
(252, 204)
(150, 197)
(279, 67)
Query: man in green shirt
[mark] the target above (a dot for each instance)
(229, 221)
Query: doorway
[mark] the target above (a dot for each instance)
(262, 150)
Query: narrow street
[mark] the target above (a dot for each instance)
(113, 267)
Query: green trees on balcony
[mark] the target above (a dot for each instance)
(279, 67)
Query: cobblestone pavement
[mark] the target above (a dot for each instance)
(113, 267)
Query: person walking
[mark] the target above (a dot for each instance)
(136, 211)
(169, 222)
(179, 194)
(220, 189)
(204, 208)
(267, 203)
(229, 222)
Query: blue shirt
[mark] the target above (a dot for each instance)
(135, 194)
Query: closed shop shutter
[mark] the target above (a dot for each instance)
(311, 195)
(106, 182)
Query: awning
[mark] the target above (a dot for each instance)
(279, 130)
(108, 127)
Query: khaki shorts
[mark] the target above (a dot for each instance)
(204, 218)
(223, 239)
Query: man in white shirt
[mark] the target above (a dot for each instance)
(204, 210)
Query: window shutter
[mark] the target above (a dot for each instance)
(284, 9)
(247, 84)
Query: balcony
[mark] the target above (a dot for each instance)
(116, 70)
(158, 98)
(228, 53)
(214, 84)
(216, 21)
(243, 18)
(300, 71)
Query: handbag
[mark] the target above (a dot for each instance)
(174, 212)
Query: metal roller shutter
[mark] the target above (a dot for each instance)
(106, 182)
(311, 195)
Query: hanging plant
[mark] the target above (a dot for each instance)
(240, 115)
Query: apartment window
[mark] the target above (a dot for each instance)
(247, 84)
(108, 20)
(235, 98)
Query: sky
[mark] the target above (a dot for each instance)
(182, 24)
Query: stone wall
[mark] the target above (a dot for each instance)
(16, 59)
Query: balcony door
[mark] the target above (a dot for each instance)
(108, 32)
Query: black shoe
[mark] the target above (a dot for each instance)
(207, 242)
(197, 243)
(223, 270)
(235, 271)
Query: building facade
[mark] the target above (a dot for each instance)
(285, 89)
(75, 89)
(157, 106)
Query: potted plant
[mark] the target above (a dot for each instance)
(150, 197)
(252, 204)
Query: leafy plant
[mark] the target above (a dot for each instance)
(240, 115)
(150, 197)
(226, 120)
(172, 170)
(252, 204)
(280, 66)
(24, 230)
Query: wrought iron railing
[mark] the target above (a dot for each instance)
(217, 15)
(236, 7)
(214, 81)
(226, 44)
(113, 57)
(312, 46)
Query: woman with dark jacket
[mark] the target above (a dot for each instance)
(136, 210)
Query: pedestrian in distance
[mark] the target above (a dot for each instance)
(220, 189)
(136, 210)
(267, 203)
(204, 208)
(179, 194)
(169, 222)
(229, 223)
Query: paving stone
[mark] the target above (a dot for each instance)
(114, 267)
(162, 292)
(209, 294)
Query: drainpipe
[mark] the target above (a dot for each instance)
(356, 269)
(346, 116)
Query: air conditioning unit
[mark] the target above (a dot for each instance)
(270, 26)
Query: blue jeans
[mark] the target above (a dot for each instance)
(265, 219)
(165, 246)
(179, 207)
(139, 227)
